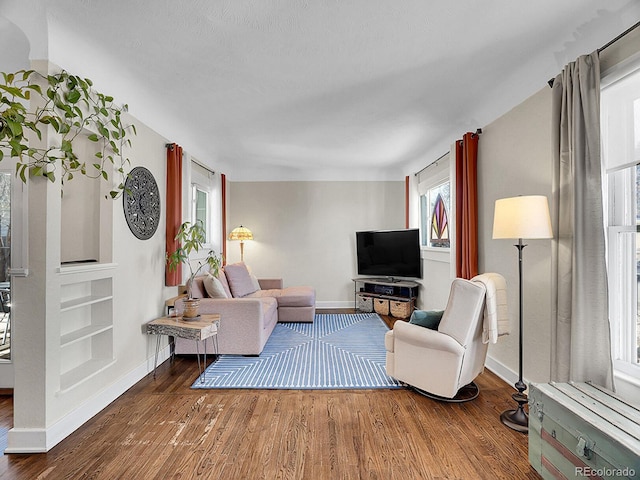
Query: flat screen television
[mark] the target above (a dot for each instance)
(389, 253)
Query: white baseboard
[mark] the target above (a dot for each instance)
(26, 440)
(6, 374)
(502, 371)
(335, 304)
(40, 440)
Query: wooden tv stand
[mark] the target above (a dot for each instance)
(385, 296)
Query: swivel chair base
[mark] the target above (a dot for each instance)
(465, 394)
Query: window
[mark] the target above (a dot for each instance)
(203, 191)
(434, 211)
(200, 208)
(203, 207)
(620, 105)
(434, 187)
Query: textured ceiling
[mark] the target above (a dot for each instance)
(354, 89)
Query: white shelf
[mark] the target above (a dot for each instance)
(86, 325)
(83, 372)
(395, 298)
(85, 268)
(83, 302)
(383, 281)
(83, 333)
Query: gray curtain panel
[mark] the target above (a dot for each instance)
(581, 347)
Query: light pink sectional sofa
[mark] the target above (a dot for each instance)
(250, 312)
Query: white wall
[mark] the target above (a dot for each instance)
(514, 158)
(304, 232)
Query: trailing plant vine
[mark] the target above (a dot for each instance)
(71, 107)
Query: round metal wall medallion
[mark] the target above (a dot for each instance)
(141, 203)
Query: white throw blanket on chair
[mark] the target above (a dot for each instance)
(496, 314)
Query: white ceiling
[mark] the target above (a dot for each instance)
(281, 90)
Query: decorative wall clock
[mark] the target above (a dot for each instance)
(141, 201)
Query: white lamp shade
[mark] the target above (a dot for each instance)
(522, 217)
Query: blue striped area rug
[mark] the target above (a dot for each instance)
(336, 351)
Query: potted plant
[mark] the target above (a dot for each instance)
(191, 238)
(32, 103)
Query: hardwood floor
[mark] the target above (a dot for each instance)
(163, 429)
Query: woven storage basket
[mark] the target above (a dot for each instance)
(400, 309)
(381, 306)
(364, 303)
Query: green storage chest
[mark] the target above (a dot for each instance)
(579, 430)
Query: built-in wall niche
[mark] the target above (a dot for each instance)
(86, 215)
(86, 327)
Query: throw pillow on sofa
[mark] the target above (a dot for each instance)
(240, 280)
(214, 287)
(428, 319)
(255, 284)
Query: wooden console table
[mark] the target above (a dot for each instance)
(201, 329)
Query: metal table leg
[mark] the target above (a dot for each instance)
(201, 370)
(155, 362)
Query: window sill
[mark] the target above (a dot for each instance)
(628, 371)
(436, 254)
(627, 386)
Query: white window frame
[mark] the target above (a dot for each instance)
(620, 161)
(195, 188)
(426, 220)
(197, 175)
(204, 179)
(437, 173)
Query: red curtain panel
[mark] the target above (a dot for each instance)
(174, 208)
(467, 206)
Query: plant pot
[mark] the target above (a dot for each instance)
(191, 308)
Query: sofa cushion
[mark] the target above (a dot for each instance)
(255, 284)
(223, 280)
(289, 296)
(197, 287)
(213, 287)
(297, 297)
(239, 279)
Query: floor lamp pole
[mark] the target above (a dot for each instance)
(518, 419)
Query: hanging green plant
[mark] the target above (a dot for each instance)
(71, 107)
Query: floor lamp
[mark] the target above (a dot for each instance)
(241, 233)
(524, 217)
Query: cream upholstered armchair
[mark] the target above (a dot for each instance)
(440, 363)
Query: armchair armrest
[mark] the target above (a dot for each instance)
(270, 283)
(425, 337)
(242, 323)
(236, 308)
